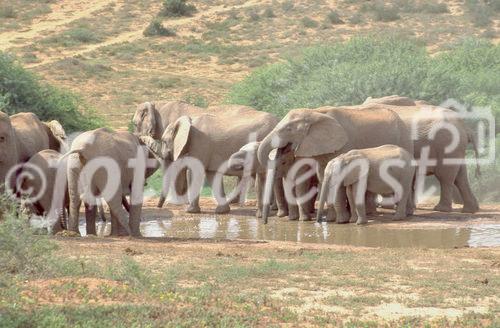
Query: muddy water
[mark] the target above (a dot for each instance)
(372, 235)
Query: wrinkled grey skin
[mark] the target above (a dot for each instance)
(212, 139)
(449, 176)
(119, 146)
(352, 183)
(23, 135)
(327, 132)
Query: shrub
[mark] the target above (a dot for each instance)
(22, 91)
(347, 73)
(384, 13)
(309, 22)
(177, 8)
(253, 15)
(83, 35)
(432, 7)
(21, 252)
(156, 28)
(7, 12)
(334, 18)
(269, 13)
(196, 100)
(355, 19)
(479, 12)
(287, 5)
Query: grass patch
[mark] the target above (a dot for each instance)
(7, 11)
(308, 22)
(74, 36)
(177, 8)
(156, 28)
(381, 11)
(333, 17)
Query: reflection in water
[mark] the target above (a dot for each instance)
(376, 235)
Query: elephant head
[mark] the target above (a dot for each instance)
(171, 146)
(8, 148)
(248, 152)
(57, 136)
(308, 132)
(145, 120)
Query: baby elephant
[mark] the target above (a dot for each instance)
(248, 153)
(386, 170)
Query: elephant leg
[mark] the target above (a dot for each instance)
(359, 207)
(221, 208)
(240, 196)
(371, 204)
(90, 216)
(260, 181)
(120, 222)
(135, 220)
(471, 204)
(446, 176)
(194, 204)
(352, 204)
(304, 210)
(341, 206)
(279, 196)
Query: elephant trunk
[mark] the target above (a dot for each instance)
(74, 166)
(265, 147)
(323, 194)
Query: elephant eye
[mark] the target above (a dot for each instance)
(2, 138)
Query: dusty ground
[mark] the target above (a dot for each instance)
(215, 282)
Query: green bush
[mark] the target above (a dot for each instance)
(381, 12)
(269, 13)
(432, 7)
(347, 73)
(309, 22)
(177, 8)
(22, 91)
(333, 17)
(479, 12)
(156, 28)
(7, 12)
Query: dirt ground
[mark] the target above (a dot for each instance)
(317, 284)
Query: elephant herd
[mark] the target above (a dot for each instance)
(338, 153)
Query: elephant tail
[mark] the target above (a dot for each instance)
(472, 139)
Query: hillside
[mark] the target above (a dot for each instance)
(97, 47)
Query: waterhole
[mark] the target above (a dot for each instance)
(371, 235)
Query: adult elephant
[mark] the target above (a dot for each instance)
(212, 139)
(427, 119)
(326, 132)
(114, 148)
(21, 136)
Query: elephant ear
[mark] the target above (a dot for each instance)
(325, 136)
(181, 138)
